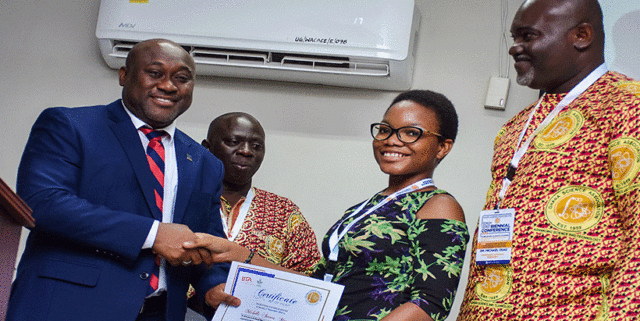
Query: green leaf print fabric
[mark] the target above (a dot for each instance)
(389, 258)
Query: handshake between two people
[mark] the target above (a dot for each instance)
(178, 245)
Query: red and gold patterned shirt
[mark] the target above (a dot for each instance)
(277, 231)
(576, 193)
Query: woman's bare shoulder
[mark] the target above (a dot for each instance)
(441, 206)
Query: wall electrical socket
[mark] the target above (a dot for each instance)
(497, 93)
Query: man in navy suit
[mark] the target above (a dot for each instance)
(107, 218)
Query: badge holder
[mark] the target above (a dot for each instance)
(495, 235)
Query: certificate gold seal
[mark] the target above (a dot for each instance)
(313, 297)
(575, 208)
(560, 130)
(496, 284)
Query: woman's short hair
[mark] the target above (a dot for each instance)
(445, 112)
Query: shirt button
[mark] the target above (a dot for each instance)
(144, 275)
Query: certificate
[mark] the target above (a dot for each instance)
(273, 295)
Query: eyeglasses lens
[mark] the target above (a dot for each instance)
(409, 134)
(381, 132)
(405, 134)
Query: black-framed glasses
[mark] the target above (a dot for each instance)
(406, 134)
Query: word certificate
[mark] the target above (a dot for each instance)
(272, 295)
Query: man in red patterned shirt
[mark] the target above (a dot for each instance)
(566, 167)
(271, 225)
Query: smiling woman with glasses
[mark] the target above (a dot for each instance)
(398, 254)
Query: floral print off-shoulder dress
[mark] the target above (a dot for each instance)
(389, 258)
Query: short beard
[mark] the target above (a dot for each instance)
(526, 78)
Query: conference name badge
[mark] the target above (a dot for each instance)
(495, 236)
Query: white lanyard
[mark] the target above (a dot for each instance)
(242, 215)
(568, 99)
(336, 236)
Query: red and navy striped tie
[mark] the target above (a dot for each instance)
(155, 156)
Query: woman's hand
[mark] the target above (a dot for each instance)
(223, 250)
(220, 249)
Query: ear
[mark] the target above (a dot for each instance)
(445, 147)
(122, 75)
(582, 36)
(205, 143)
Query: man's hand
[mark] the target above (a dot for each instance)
(220, 249)
(169, 242)
(216, 295)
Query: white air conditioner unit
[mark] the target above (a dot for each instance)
(353, 43)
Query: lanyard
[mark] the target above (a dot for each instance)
(337, 235)
(568, 99)
(244, 209)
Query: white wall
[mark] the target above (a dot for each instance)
(621, 22)
(318, 145)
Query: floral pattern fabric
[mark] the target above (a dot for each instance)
(390, 258)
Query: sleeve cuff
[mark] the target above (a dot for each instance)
(151, 238)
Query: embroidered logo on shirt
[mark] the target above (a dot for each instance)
(630, 86)
(496, 284)
(575, 208)
(560, 130)
(275, 246)
(624, 158)
(498, 136)
(294, 221)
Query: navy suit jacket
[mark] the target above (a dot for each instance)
(85, 174)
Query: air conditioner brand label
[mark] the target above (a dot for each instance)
(329, 41)
(138, 1)
(127, 25)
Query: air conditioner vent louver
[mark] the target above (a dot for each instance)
(228, 56)
(122, 48)
(264, 59)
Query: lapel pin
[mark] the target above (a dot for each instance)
(189, 158)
